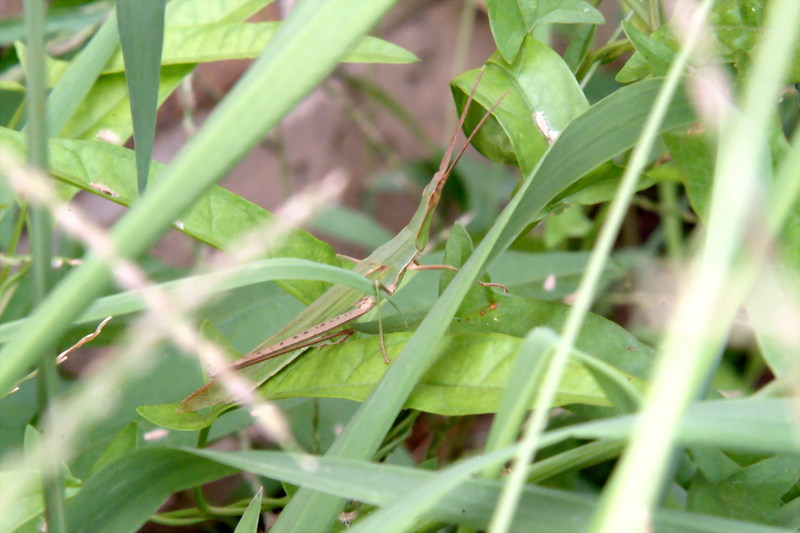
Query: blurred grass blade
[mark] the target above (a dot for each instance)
(401, 514)
(529, 367)
(141, 35)
(312, 36)
(220, 280)
(753, 425)
(81, 75)
(469, 504)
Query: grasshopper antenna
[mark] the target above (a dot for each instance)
(478, 126)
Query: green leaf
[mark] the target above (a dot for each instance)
(105, 112)
(457, 251)
(569, 222)
(753, 492)
(658, 44)
(552, 275)
(210, 332)
(613, 125)
(81, 75)
(249, 521)
(657, 55)
(142, 52)
(511, 22)
(739, 25)
(472, 375)
(189, 12)
(600, 337)
(539, 82)
(599, 186)
(202, 43)
(125, 442)
(219, 218)
(166, 415)
(122, 498)
(694, 155)
(66, 21)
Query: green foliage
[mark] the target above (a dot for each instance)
(556, 320)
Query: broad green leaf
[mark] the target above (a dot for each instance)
(404, 513)
(739, 25)
(457, 251)
(753, 492)
(217, 219)
(568, 222)
(105, 112)
(539, 82)
(80, 76)
(124, 443)
(694, 156)
(26, 505)
(511, 22)
(603, 131)
(142, 53)
(105, 107)
(637, 67)
(210, 332)
(599, 337)
(122, 497)
(552, 275)
(219, 41)
(190, 13)
(657, 55)
(470, 381)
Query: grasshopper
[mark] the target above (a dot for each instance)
(324, 318)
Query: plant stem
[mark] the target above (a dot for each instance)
(40, 237)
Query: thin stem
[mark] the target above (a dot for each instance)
(40, 236)
(16, 233)
(670, 214)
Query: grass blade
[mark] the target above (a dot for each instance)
(142, 53)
